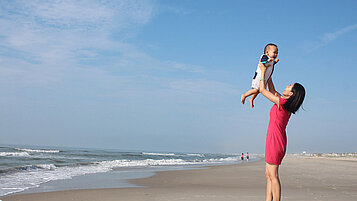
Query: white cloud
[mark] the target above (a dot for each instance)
(329, 37)
(203, 86)
(55, 34)
(185, 67)
(69, 23)
(78, 15)
(44, 42)
(176, 10)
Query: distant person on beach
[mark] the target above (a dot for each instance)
(242, 157)
(276, 141)
(269, 60)
(247, 156)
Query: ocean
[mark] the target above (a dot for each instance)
(23, 168)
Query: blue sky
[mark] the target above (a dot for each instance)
(167, 75)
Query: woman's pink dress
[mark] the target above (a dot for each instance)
(275, 147)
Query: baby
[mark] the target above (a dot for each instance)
(269, 60)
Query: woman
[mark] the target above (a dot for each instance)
(276, 141)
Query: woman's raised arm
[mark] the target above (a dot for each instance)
(269, 95)
(272, 88)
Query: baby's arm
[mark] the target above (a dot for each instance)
(271, 60)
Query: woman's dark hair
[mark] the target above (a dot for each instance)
(294, 102)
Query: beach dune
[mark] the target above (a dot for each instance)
(302, 178)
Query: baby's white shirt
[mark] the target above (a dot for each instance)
(258, 74)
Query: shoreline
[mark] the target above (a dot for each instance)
(302, 179)
(114, 179)
(32, 169)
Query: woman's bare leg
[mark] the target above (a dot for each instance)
(273, 175)
(269, 192)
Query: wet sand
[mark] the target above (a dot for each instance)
(302, 178)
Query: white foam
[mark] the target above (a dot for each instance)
(199, 155)
(18, 154)
(37, 150)
(228, 159)
(158, 154)
(142, 163)
(46, 166)
(20, 181)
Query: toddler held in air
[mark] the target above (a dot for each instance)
(269, 60)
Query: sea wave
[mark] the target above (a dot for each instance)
(158, 154)
(16, 154)
(228, 159)
(28, 168)
(33, 175)
(142, 163)
(37, 150)
(199, 155)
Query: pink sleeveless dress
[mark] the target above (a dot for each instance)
(276, 141)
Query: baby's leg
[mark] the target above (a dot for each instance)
(248, 93)
(252, 99)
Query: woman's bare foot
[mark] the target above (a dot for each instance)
(251, 102)
(242, 98)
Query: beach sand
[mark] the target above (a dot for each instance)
(302, 178)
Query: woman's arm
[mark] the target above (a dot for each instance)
(269, 95)
(272, 88)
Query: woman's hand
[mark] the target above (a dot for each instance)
(262, 66)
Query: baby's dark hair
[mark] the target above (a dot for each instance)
(270, 44)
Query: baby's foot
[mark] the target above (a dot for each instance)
(251, 102)
(242, 98)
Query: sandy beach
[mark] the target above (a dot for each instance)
(302, 178)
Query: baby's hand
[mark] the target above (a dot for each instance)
(270, 60)
(276, 60)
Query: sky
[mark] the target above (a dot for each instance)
(168, 75)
